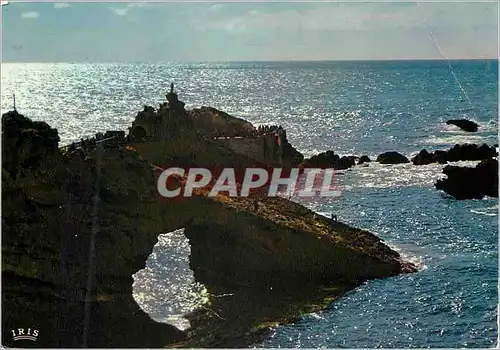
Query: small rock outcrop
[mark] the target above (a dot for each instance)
(471, 183)
(392, 158)
(346, 162)
(423, 158)
(470, 152)
(455, 154)
(441, 157)
(323, 160)
(330, 160)
(364, 159)
(464, 124)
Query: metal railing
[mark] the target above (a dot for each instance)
(86, 143)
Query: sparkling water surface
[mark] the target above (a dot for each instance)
(351, 108)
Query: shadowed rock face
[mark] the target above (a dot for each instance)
(471, 183)
(33, 142)
(94, 215)
(53, 206)
(464, 124)
(215, 122)
(392, 158)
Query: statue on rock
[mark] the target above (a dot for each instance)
(172, 99)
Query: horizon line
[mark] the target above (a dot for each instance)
(259, 61)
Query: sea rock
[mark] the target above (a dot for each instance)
(345, 162)
(331, 160)
(464, 124)
(470, 152)
(392, 158)
(323, 160)
(471, 183)
(423, 158)
(441, 157)
(364, 159)
(455, 154)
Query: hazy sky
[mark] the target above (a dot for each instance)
(159, 32)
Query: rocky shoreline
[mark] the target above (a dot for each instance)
(79, 221)
(461, 182)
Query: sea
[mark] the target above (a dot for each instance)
(358, 108)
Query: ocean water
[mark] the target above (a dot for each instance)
(351, 108)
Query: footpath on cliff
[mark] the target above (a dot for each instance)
(79, 221)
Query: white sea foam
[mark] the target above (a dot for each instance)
(408, 255)
(377, 175)
(456, 139)
(488, 211)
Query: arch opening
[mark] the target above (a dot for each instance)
(166, 289)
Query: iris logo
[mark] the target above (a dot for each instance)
(25, 334)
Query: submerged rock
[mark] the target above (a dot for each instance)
(471, 183)
(392, 158)
(464, 124)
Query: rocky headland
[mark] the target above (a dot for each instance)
(78, 221)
